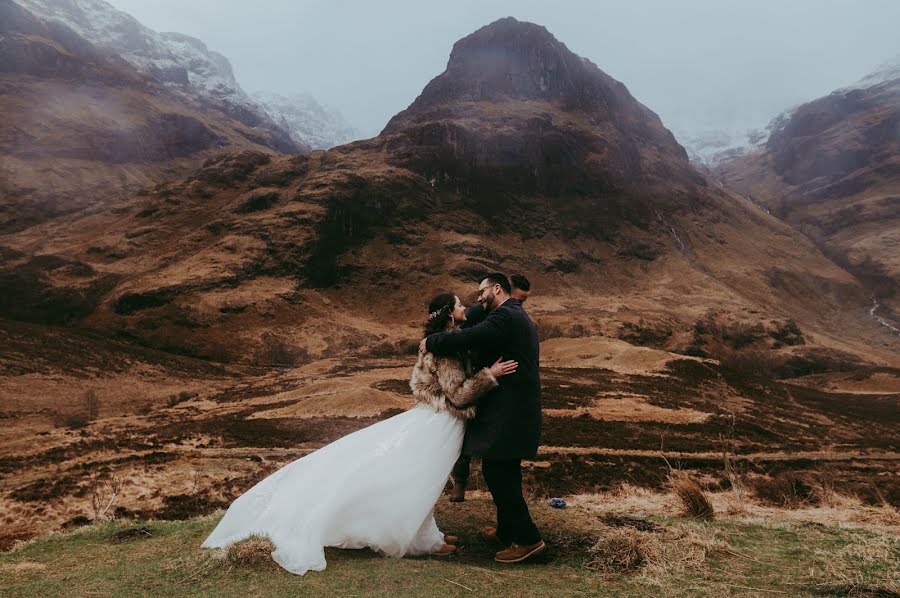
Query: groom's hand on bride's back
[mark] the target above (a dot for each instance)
(504, 368)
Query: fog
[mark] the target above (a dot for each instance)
(700, 64)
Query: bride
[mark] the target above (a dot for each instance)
(376, 487)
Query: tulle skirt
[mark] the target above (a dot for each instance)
(375, 488)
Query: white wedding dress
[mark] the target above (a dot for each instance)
(374, 488)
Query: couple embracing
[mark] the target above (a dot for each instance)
(477, 393)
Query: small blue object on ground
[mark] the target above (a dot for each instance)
(557, 503)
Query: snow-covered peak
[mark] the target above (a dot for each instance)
(712, 147)
(888, 71)
(304, 117)
(173, 58)
(185, 65)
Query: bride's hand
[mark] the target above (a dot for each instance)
(503, 368)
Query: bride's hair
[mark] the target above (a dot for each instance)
(439, 313)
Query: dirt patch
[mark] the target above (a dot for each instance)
(185, 506)
(855, 590)
(239, 430)
(401, 387)
(130, 535)
(47, 489)
(639, 524)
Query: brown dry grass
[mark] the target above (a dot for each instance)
(692, 497)
(658, 555)
(22, 567)
(878, 383)
(607, 353)
(254, 552)
(622, 550)
(631, 409)
(843, 575)
(246, 423)
(844, 511)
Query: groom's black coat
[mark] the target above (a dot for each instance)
(508, 422)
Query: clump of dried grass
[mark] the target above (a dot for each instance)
(692, 497)
(658, 555)
(253, 552)
(678, 550)
(622, 550)
(887, 514)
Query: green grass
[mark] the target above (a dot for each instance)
(772, 559)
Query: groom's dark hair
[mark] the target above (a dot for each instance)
(501, 279)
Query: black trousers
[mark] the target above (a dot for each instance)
(461, 469)
(504, 480)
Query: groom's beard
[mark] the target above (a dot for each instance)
(489, 301)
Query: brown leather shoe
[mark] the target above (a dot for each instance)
(444, 551)
(458, 494)
(448, 539)
(518, 553)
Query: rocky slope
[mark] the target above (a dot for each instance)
(832, 170)
(521, 156)
(83, 125)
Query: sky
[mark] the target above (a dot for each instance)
(702, 65)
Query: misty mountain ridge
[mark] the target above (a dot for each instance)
(831, 168)
(98, 105)
(319, 126)
(519, 140)
(712, 147)
(886, 72)
(84, 126)
(516, 110)
(185, 64)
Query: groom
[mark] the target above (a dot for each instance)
(507, 426)
(521, 289)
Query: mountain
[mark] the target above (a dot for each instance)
(180, 62)
(305, 118)
(831, 168)
(83, 125)
(185, 65)
(582, 131)
(520, 156)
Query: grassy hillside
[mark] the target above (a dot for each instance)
(631, 543)
(184, 437)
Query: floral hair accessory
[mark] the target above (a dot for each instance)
(436, 313)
